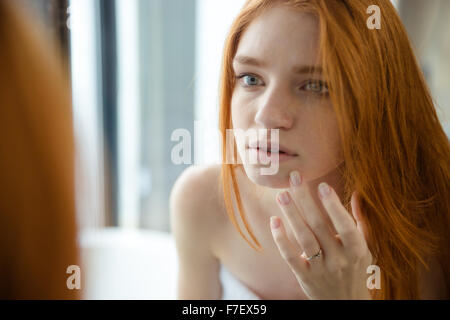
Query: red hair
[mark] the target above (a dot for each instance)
(37, 206)
(395, 150)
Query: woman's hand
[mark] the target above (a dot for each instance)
(339, 271)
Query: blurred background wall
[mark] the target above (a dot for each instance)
(428, 25)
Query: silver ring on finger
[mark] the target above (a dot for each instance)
(315, 256)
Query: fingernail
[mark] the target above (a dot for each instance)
(274, 222)
(324, 189)
(283, 198)
(295, 178)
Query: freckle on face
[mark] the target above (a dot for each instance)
(312, 131)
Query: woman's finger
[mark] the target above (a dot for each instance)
(287, 250)
(342, 221)
(302, 232)
(312, 214)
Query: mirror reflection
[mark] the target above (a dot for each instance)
(244, 150)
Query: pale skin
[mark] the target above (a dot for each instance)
(272, 96)
(340, 271)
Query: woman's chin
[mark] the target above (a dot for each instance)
(279, 180)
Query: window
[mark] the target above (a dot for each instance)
(142, 69)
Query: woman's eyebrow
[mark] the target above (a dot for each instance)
(297, 69)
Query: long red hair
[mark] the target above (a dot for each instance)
(37, 206)
(395, 150)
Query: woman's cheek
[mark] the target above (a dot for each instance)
(241, 114)
(331, 149)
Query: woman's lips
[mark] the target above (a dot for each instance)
(266, 156)
(267, 145)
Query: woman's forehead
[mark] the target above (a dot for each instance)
(281, 34)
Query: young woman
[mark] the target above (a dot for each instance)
(354, 116)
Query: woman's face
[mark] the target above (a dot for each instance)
(280, 92)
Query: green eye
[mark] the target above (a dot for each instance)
(318, 87)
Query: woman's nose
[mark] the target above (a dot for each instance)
(274, 110)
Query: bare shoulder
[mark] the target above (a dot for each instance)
(194, 223)
(199, 189)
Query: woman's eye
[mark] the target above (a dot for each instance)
(319, 87)
(249, 80)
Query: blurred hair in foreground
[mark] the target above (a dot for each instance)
(37, 207)
(395, 150)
